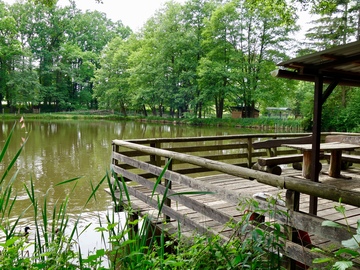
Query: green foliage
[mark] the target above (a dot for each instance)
(343, 257)
(55, 242)
(336, 23)
(249, 247)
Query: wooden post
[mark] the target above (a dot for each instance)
(133, 226)
(168, 184)
(249, 152)
(155, 159)
(292, 203)
(306, 170)
(335, 163)
(316, 137)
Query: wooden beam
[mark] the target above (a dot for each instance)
(280, 73)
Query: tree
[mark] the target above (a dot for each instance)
(241, 39)
(337, 23)
(9, 49)
(196, 12)
(62, 46)
(112, 79)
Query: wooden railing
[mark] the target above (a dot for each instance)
(142, 161)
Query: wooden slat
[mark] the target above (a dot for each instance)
(205, 213)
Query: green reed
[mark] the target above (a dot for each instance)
(133, 244)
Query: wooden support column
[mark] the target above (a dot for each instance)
(316, 137)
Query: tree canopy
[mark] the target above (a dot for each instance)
(195, 59)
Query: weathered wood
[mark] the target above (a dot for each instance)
(190, 149)
(211, 211)
(273, 161)
(270, 169)
(297, 166)
(223, 193)
(343, 139)
(307, 187)
(335, 164)
(346, 159)
(306, 171)
(278, 142)
(215, 138)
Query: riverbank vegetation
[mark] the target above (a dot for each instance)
(263, 123)
(53, 239)
(197, 59)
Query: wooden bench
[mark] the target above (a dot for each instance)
(347, 159)
(271, 162)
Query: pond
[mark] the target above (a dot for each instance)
(56, 151)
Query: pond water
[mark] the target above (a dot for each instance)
(56, 151)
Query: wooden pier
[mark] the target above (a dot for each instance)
(208, 181)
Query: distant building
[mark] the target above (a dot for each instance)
(240, 112)
(281, 112)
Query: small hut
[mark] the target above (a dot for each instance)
(240, 112)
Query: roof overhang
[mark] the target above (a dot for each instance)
(340, 64)
(336, 66)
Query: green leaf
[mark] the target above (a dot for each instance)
(68, 181)
(342, 265)
(317, 250)
(341, 209)
(329, 223)
(347, 251)
(322, 260)
(158, 180)
(358, 227)
(352, 243)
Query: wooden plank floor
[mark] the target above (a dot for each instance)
(325, 207)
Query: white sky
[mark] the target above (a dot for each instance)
(134, 13)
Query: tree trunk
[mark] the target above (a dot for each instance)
(153, 110)
(144, 110)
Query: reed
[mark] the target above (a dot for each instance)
(134, 244)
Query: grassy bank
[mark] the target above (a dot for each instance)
(227, 121)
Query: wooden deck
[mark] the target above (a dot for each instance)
(326, 208)
(227, 188)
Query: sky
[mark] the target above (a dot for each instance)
(132, 13)
(135, 13)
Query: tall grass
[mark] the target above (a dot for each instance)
(133, 244)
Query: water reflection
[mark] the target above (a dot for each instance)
(61, 150)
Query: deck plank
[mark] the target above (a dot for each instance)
(326, 208)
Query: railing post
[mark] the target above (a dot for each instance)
(133, 224)
(155, 159)
(168, 184)
(115, 162)
(249, 150)
(292, 203)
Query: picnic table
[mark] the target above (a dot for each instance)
(335, 149)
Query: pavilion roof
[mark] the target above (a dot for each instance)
(340, 64)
